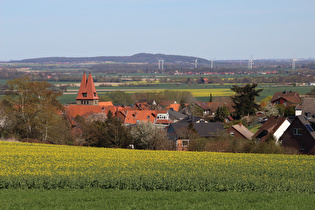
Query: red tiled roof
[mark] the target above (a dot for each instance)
(166, 102)
(163, 121)
(230, 118)
(174, 106)
(161, 111)
(82, 85)
(143, 105)
(87, 88)
(84, 110)
(135, 116)
(292, 97)
(213, 106)
(202, 105)
(105, 103)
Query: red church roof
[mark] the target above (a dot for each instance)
(73, 110)
(87, 89)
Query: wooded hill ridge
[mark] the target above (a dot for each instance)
(137, 58)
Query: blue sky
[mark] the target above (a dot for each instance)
(224, 29)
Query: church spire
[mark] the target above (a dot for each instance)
(87, 93)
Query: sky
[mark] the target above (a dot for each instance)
(220, 29)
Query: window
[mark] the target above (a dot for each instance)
(94, 94)
(297, 131)
(185, 143)
(232, 133)
(84, 94)
(308, 115)
(301, 147)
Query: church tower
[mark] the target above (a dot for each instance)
(87, 93)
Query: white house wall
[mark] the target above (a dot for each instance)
(298, 112)
(281, 130)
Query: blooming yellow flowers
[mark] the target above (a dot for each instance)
(55, 166)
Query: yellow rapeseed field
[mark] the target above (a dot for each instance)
(51, 166)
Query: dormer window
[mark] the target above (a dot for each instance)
(84, 94)
(94, 94)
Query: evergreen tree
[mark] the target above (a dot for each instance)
(221, 113)
(210, 99)
(244, 99)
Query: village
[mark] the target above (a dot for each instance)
(292, 132)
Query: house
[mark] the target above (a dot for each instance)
(175, 115)
(203, 105)
(240, 131)
(228, 119)
(204, 80)
(143, 106)
(306, 109)
(178, 131)
(213, 106)
(275, 125)
(157, 117)
(300, 136)
(182, 144)
(165, 103)
(175, 107)
(87, 94)
(286, 98)
(74, 110)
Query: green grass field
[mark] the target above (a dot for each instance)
(126, 199)
(199, 91)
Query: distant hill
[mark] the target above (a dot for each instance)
(137, 58)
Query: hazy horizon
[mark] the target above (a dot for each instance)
(225, 30)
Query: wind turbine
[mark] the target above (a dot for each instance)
(159, 64)
(196, 63)
(293, 63)
(212, 63)
(250, 63)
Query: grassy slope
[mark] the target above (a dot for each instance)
(124, 199)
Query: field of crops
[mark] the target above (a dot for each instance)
(57, 167)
